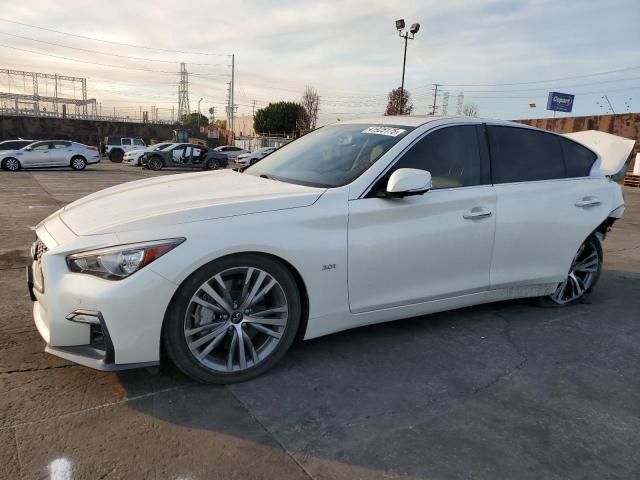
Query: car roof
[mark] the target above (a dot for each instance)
(419, 120)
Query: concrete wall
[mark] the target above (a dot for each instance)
(625, 125)
(84, 131)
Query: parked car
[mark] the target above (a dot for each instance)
(116, 147)
(248, 159)
(50, 153)
(356, 223)
(134, 157)
(184, 155)
(230, 151)
(14, 144)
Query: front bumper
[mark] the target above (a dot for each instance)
(102, 324)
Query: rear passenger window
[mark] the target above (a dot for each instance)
(523, 155)
(578, 160)
(450, 154)
(126, 141)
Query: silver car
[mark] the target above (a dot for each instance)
(248, 159)
(230, 151)
(50, 153)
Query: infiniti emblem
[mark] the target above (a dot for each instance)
(236, 317)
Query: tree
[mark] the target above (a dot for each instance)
(279, 118)
(310, 105)
(191, 120)
(470, 110)
(220, 124)
(396, 99)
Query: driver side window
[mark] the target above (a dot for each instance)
(450, 154)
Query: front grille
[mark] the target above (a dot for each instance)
(39, 249)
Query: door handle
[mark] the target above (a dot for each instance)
(587, 202)
(476, 213)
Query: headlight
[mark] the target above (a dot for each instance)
(116, 263)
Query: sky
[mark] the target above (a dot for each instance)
(502, 54)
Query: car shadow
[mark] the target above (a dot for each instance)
(439, 396)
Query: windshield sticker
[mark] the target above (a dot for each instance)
(389, 131)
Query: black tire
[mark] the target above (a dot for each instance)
(591, 244)
(253, 161)
(78, 162)
(116, 156)
(173, 327)
(212, 164)
(11, 164)
(155, 163)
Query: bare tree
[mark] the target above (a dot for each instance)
(399, 102)
(310, 102)
(470, 110)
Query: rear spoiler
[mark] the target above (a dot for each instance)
(614, 151)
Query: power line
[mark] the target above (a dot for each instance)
(540, 81)
(113, 42)
(101, 64)
(110, 54)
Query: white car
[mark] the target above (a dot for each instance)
(50, 153)
(230, 151)
(134, 157)
(248, 159)
(353, 224)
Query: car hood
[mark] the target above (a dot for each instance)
(8, 152)
(182, 198)
(136, 152)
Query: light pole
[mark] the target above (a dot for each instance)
(199, 115)
(407, 36)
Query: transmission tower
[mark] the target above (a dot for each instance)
(459, 106)
(445, 103)
(183, 93)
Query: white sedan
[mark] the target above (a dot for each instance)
(50, 153)
(134, 157)
(248, 159)
(353, 224)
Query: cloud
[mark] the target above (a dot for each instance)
(347, 49)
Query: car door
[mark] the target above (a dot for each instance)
(60, 153)
(127, 144)
(415, 249)
(547, 204)
(36, 156)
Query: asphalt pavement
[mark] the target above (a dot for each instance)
(499, 391)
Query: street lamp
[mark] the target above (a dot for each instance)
(407, 36)
(199, 115)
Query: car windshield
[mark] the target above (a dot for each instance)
(331, 156)
(161, 146)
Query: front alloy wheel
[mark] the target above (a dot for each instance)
(583, 274)
(155, 164)
(240, 316)
(11, 164)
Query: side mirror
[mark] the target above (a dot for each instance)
(408, 181)
(28, 149)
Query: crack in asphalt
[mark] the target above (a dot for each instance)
(509, 369)
(271, 435)
(18, 370)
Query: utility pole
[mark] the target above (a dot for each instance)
(253, 108)
(233, 79)
(435, 97)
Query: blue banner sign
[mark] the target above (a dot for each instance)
(560, 102)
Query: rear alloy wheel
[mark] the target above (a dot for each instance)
(78, 163)
(11, 164)
(213, 165)
(583, 274)
(155, 164)
(233, 319)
